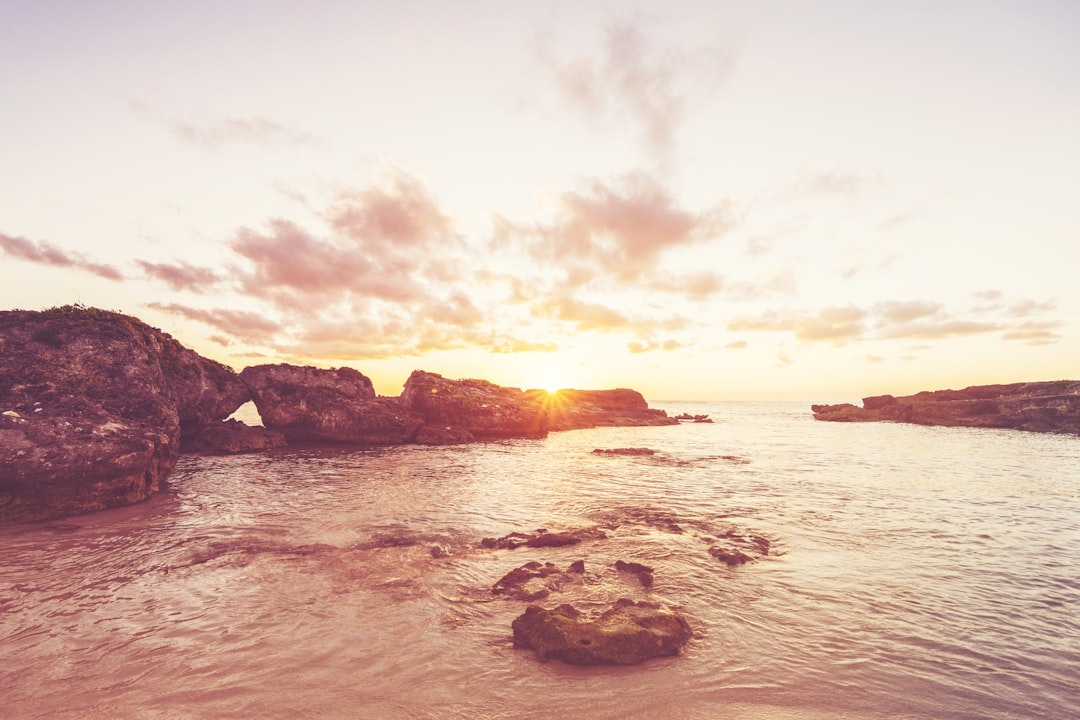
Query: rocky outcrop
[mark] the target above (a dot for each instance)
(93, 408)
(465, 410)
(308, 404)
(626, 634)
(575, 409)
(1037, 406)
(314, 405)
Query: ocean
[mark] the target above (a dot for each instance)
(913, 572)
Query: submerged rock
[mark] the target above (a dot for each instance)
(626, 634)
(624, 451)
(1037, 407)
(96, 405)
(542, 538)
(644, 573)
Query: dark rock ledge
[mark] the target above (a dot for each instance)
(1036, 406)
(96, 407)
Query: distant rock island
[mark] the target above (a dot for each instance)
(96, 407)
(1035, 406)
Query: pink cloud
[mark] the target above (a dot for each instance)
(44, 253)
(617, 232)
(391, 243)
(181, 275)
(249, 327)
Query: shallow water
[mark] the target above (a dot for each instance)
(914, 573)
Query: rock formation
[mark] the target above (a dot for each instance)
(575, 409)
(233, 437)
(93, 408)
(626, 634)
(96, 406)
(464, 410)
(1037, 406)
(309, 404)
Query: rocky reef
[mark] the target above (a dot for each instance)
(1035, 406)
(96, 406)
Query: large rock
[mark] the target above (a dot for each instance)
(1038, 406)
(627, 634)
(465, 410)
(232, 437)
(573, 409)
(309, 404)
(93, 408)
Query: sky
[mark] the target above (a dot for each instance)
(699, 200)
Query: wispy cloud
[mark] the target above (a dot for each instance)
(44, 253)
(517, 345)
(250, 327)
(905, 320)
(254, 130)
(181, 275)
(630, 79)
(638, 346)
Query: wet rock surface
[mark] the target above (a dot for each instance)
(93, 408)
(628, 633)
(1036, 407)
(543, 538)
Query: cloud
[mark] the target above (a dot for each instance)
(630, 80)
(937, 328)
(837, 182)
(616, 232)
(251, 327)
(905, 312)
(586, 315)
(1034, 333)
(904, 320)
(637, 347)
(44, 253)
(517, 345)
(694, 286)
(181, 275)
(254, 130)
(388, 242)
(832, 324)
